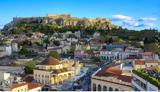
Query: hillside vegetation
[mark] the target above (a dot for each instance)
(150, 37)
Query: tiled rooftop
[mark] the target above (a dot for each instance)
(18, 85)
(143, 62)
(113, 71)
(33, 85)
(30, 85)
(50, 61)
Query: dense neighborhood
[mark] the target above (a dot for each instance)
(59, 52)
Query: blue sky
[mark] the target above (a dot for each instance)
(133, 14)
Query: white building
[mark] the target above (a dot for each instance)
(96, 35)
(4, 76)
(143, 84)
(72, 40)
(7, 49)
(112, 55)
(57, 49)
(14, 47)
(111, 78)
(26, 87)
(65, 49)
(78, 34)
(132, 52)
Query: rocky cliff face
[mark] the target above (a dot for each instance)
(63, 20)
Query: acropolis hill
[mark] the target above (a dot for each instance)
(63, 20)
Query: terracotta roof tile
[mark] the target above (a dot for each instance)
(152, 61)
(33, 85)
(50, 61)
(143, 62)
(29, 85)
(125, 78)
(18, 85)
(112, 71)
(139, 62)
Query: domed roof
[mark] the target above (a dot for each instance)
(50, 61)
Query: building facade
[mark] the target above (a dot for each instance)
(26, 87)
(110, 78)
(52, 71)
(141, 84)
(150, 56)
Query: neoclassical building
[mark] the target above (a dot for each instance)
(111, 78)
(52, 71)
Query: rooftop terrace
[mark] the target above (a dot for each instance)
(112, 71)
(150, 75)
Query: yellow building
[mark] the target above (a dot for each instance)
(26, 87)
(52, 71)
(140, 63)
(19, 87)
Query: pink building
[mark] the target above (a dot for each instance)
(150, 56)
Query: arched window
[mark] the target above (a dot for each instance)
(94, 87)
(116, 89)
(99, 87)
(104, 88)
(110, 89)
(107, 58)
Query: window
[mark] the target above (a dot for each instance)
(104, 88)
(110, 89)
(99, 87)
(143, 85)
(43, 81)
(94, 87)
(46, 76)
(116, 89)
(25, 89)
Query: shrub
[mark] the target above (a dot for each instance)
(147, 77)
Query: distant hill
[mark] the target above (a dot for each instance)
(57, 21)
(87, 26)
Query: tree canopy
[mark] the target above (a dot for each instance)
(29, 67)
(54, 54)
(23, 51)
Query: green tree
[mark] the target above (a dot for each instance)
(54, 54)
(23, 51)
(57, 43)
(96, 59)
(71, 51)
(151, 47)
(29, 67)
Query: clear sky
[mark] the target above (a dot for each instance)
(133, 14)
